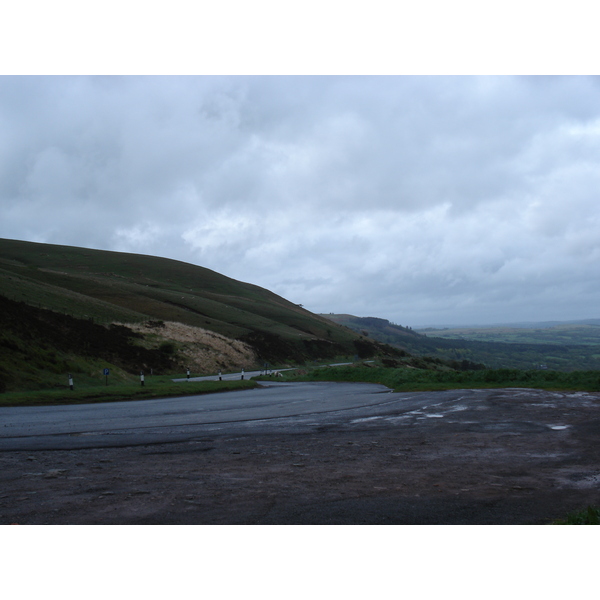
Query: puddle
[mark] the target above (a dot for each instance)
(394, 419)
(558, 427)
(365, 419)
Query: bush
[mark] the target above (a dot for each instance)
(588, 516)
(167, 348)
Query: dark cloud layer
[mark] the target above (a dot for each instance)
(419, 199)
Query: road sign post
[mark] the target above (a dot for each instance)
(106, 373)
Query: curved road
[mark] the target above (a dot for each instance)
(275, 406)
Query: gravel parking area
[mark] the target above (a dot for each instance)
(516, 457)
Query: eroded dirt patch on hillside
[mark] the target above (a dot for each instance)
(204, 350)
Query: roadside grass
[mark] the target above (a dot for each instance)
(411, 379)
(587, 516)
(154, 387)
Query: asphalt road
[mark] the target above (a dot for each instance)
(274, 407)
(229, 376)
(250, 374)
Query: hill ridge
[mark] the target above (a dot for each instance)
(105, 287)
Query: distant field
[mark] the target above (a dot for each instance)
(563, 334)
(559, 346)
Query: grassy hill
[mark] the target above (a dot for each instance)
(562, 348)
(144, 312)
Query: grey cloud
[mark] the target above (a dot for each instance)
(413, 198)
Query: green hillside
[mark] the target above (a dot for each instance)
(94, 288)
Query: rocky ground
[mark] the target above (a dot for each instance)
(527, 461)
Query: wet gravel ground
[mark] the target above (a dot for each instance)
(504, 457)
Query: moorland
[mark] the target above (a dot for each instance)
(79, 311)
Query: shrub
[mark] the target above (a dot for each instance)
(588, 516)
(167, 348)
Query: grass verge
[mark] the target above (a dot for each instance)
(153, 388)
(588, 516)
(416, 380)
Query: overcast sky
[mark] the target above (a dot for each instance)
(420, 199)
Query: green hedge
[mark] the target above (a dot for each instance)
(404, 379)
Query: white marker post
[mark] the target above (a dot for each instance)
(220, 378)
(188, 374)
(70, 381)
(242, 373)
(142, 378)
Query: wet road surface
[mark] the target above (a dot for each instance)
(274, 407)
(176, 419)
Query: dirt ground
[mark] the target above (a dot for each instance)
(522, 459)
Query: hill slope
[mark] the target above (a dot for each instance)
(100, 288)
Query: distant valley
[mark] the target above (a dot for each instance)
(558, 346)
(561, 333)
